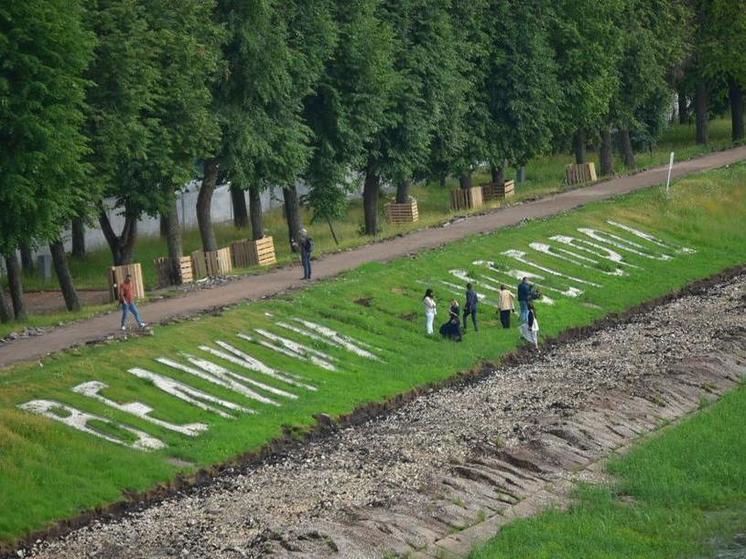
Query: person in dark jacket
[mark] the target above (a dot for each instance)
(452, 328)
(470, 308)
(524, 297)
(305, 246)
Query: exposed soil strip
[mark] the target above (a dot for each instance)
(404, 475)
(272, 283)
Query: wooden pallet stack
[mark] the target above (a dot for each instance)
(199, 265)
(174, 271)
(218, 262)
(494, 191)
(577, 173)
(116, 275)
(402, 213)
(253, 253)
(466, 198)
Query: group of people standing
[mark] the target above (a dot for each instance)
(453, 328)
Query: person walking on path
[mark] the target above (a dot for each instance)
(430, 310)
(470, 308)
(127, 300)
(530, 328)
(524, 297)
(306, 248)
(506, 305)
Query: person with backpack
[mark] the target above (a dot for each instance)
(127, 300)
(524, 297)
(306, 248)
(470, 308)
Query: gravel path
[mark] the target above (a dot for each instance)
(269, 284)
(453, 457)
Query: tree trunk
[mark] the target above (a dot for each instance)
(683, 107)
(78, 229)
(6, 314)
(255, 208)
(15, 284)
(370, 199)
(628, 154)
(122, 246)
(170, 221)
(72, 302)
(606, 153)
(27, 259)
(497, 174)
(162, 226)
(292, 215)
(578, 142)
(443, 181)
(402, 191)
(735, 92)
(240, 213)
(204, 205)
(702, 116)
(464, 180)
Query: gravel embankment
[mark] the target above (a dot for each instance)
(451, 457)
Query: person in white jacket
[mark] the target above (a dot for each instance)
(430, 310)
(530, 328)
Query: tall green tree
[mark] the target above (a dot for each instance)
(586, 38)
(44, 49)
(349, 105)
(148, 117)
(425, 62)
(722, 52)
(522, 86)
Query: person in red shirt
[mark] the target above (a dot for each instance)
(127, 300)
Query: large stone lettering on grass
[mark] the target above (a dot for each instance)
(93, 388)
(189, 394)
(596, 249)
(621, 243)
(332, 337)
(223, 377)
(86, 422)
(575, 258)
(521, 257)
(292, 349)
(650, 238)
(238, 357)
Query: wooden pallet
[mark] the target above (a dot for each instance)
(199, 265)
(253, 253)
(218, 262)
(494, 191)
(116, 275)
(173, 271)
(577, 173)
(466, 198)
(402, 213)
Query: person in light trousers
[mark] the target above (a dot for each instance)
(530, 328)
(127, 300)
(430, 310)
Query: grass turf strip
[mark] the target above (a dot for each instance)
(50, 471)
(682, 494)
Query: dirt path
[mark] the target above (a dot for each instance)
(255, 287)
(449, 468)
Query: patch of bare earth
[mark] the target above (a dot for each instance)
(432, 474)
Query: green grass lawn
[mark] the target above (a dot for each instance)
(49, 471)
(684, 494)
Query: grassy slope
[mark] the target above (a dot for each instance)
(48, 471)
(688, 490)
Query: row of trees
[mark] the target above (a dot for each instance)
(119, 99)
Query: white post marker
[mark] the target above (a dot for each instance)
(668, 180)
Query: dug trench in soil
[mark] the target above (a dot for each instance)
(455, 456)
